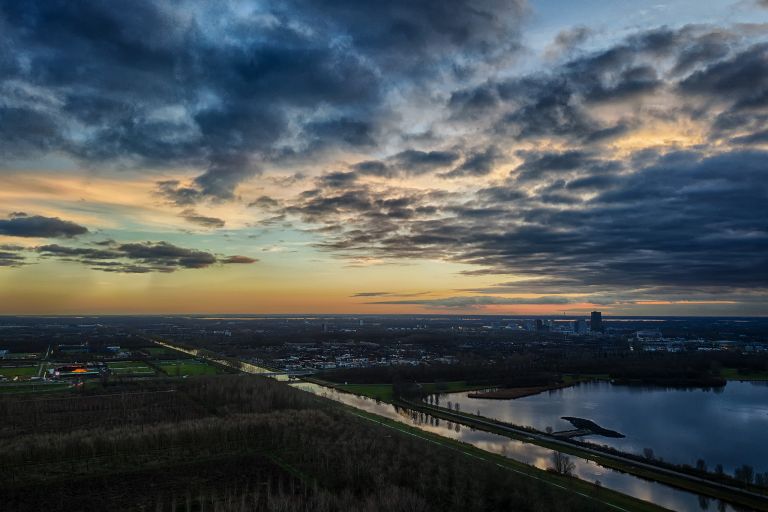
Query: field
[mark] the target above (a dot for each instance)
(37, 387)
(139, 368)
(23, 372)
(189, 367)
(160, 351)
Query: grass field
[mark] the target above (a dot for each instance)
(189, 367)
(733, 374)
(130, 368)
(160, 351)
(7, 389)
(23, 372)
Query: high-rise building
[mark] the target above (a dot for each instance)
(580, 326)
(596, 322)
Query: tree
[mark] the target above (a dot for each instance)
(744, 474)
(563, 465)
(648, 453)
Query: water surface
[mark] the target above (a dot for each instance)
(727, 426)
(540, 457)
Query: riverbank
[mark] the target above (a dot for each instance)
(384, 393)
(587, 490)
(513, 393)
(648, 471)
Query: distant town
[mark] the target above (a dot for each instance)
(51, 349)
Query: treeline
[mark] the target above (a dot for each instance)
(505, 374)
(256, 444)
(667, 369)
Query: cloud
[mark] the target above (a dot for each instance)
(415, 162)
(142, 257)
(11, 256)
(207, 222)
(264, 202)
(634, 77)
(370, 294)
(240, 260)
(161, 86)
(582, 208)
(679, 219)
(476, 301)
(338, 179)
(37, 226)
(568, 40)
(476, 163)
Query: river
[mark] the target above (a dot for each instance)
(531, 454)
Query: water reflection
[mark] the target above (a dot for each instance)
(533, 455)
(727, 426)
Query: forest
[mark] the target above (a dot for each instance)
(232, 443)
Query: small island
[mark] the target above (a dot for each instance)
(585, 427)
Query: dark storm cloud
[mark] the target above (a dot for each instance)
(138, 257)
(22, 225)
(159, 85)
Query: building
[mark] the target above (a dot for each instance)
(596, 322)
(649, 336)
(580, 326)
(77, 371)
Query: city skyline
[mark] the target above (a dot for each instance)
(481, 157)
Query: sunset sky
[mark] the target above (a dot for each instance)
(338, 156)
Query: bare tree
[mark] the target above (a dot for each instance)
(563, 465)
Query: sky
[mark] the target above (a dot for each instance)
(510, 157)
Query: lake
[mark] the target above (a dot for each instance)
(727, 426)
